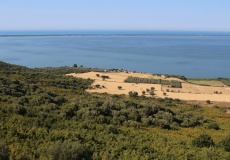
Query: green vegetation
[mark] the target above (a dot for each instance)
(171, 83)
(152, 93)
(206, 82)
(172, 76)
(210, 81)
(226, 143)
(225, 81)
(208, 102)
(47, 115)
(104, 77)
(213, 126)
(203, 140)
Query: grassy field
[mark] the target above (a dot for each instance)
(206, 82)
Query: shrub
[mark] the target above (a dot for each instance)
(152, 93)
(226, 144)
(196, 106)
(119, 87)
(203, 140)
(208, 102)
(115, 96)
(4, 151)
(105, 77)
(133, 94)
(213, 126)
(68, 151)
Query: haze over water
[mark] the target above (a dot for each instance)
(190, 54)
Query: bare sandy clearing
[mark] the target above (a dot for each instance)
(187, 92)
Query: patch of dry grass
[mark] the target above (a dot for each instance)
(187, 92)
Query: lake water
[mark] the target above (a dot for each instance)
(191, 55)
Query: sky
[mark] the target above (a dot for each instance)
(196, 15)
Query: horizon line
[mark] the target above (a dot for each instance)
(21, 33)
(147, 30)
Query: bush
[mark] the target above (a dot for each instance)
(133, 94)
(152, 93)
(203, 140)
(208, 102)
(4, 151)
(104, 77)
(226, 144)
(68, 151)
(213, 126)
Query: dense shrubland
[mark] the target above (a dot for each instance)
(46, 115)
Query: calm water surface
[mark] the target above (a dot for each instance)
(192, 56)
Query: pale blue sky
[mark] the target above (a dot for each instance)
(115, 15)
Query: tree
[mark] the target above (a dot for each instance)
(208, 102)
(119, 87)
(98, 75)
(143, 92)
(75, 65)
(152, 88)
(164, 93)
(147, 90)
(152, 93)
(203, 140)
(133, 94)
(104, 77)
